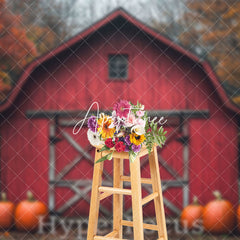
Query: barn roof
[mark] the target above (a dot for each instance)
(140, 25)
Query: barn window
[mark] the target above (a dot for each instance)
(118, 66)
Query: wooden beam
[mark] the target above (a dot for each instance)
(75, 145)
(107, 238)
(104, 195)
(149, 198)
(117, 198)
(81, 150)
(185, 131)
(78, 195)
(50, 114)
(79, 183)
(52, 164)
(112, 234)
(143, 180)
(115, 190)
(164, 163)
(145, 225)
(68, 168)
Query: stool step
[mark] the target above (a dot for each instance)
(107, 238)
(104, 195)
(145, 225)
(143, 180)
(149, 198)
(115, 190)
(112, 234)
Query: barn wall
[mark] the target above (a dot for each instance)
(159, 77)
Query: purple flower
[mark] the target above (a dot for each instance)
(126, 148)
(92, 124)
(136, 148)
(127, 140)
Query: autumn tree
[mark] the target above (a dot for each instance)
(16, 49)
(214, 27)
(58, 16)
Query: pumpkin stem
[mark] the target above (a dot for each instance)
(217, 195)
(30, 196)
(195, 200)
(4, 196)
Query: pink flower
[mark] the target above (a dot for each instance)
(131, 120)
(140, 113)
(140, 122)
(122, 108)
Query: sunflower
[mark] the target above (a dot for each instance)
(137, 139)
(104, 122)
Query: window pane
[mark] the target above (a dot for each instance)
(118, 66)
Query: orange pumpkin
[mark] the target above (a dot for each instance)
(27, 213)
(6, 212)
(238, 218)
(218, 215)
(191, 214)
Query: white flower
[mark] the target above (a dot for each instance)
(111, 125)
(141, 122)
(120, 134)
(114, 114)
(138, 129)
(94, 138)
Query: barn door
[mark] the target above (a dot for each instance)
(80, 187)
(60, 130)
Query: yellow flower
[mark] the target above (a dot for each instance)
(137, 139)
(104, 122)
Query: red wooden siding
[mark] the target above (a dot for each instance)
(160, 78)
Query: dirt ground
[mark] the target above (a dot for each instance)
(65, 230)
(76, 235)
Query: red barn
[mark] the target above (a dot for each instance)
(118, 57)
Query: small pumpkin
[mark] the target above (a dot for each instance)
(238, 218)
(191, 214)
(218, 215)
(6, 212)
(27, 213)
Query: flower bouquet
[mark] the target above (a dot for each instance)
(127, 129)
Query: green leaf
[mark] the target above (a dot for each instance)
(104, 148)
(109, 156)
(155, 127)
(132, 156)
(106, 157)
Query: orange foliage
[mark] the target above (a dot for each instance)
(5, 84)
(215, 26)
(16, 49)
(43, 37)
(21, 41)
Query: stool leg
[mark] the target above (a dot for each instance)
(135, 173)
(158, 202)
(94, 205)
(117, 198)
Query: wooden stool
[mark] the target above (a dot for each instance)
(100, 192)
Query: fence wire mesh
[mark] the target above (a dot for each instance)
(54, 23)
